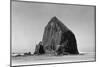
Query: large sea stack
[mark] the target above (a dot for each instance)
(57, 39)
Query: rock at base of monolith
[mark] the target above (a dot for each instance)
(39, 49)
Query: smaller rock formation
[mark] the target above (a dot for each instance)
(29, 53)
(39, 49)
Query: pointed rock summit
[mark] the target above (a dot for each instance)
(57, 39)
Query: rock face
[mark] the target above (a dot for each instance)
(58, 39)
(39, 49)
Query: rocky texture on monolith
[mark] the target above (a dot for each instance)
(58, 39)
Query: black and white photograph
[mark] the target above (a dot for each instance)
(52, 33)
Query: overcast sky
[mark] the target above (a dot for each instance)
(29, 20)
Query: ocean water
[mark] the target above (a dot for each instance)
(45, 59)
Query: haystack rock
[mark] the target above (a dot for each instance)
(58, 39)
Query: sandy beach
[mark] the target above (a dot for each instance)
(43, 59)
